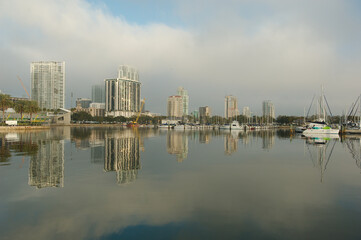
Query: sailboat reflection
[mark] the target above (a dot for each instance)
(354, 146)
(320, 152)
(122, 155)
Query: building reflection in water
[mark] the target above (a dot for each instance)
(122, 155)
(97, 154)
(47, 165)
(177, 144)
(320, 150)
(205, 137)
(231, 142)
(268, 139)
(97, 146)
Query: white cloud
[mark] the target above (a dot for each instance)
(283, 55)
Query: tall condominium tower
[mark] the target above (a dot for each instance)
(246, 112)
(204, 113)
(268, 110)
(122, 95)
(230, 107)
(175, 106)
(48, 84)
(185, 98)
(98, 93)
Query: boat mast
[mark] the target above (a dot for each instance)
(323, 109)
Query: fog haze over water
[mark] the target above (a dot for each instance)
(255, 50)
(110, 183)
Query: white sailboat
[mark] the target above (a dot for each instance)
(319, 125)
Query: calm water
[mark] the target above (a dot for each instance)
(84, 183)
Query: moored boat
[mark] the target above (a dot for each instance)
(235, 126)
(320, 127)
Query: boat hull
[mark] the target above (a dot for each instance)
(320, 131)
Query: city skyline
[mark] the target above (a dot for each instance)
(277, 50)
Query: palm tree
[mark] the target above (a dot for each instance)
(20, 107)
(5, 103)
(31, 108)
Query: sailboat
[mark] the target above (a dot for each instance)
(319, 125)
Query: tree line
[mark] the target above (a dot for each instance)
(20, 106)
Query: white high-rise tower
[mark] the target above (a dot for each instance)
(122, 95)
(48, 84)
(185, 98)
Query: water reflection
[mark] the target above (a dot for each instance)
(20, 144)
(177, 144)
(320, 151)
(354, 146)
(122, 155)
(47, 165)
(260, 197)
(231, 142)
(205, 136)
(268, 139)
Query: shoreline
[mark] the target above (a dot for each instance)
(47, 127)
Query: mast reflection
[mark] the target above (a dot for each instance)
(354, 146)
(320, 150)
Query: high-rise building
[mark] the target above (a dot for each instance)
(195, 114)
(230, 107)
(48, 84)
(98, 93)
(122, 95)
(175, 107)
(185, 98)
(83, 103)
(246, 112)
(204, 113)
(268, 111)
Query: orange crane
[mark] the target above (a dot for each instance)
(22, 84)
(135, 123)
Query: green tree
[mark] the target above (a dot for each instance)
(121, 119)
(81, 116)
(31, 108)
(20, 107)
(5, 103)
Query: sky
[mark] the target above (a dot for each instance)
(256, 50)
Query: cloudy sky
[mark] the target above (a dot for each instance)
(256, 50)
